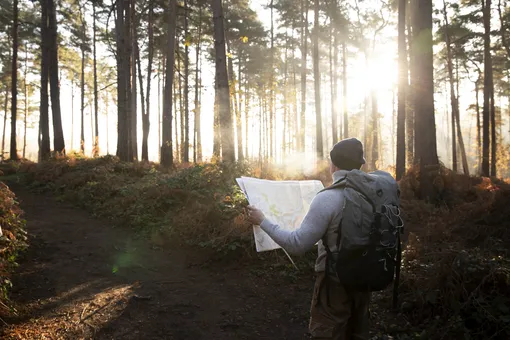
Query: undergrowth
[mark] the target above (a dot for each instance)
(456, 273)
(12, 241)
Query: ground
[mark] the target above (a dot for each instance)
(83, 278)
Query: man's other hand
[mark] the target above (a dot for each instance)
(255, 216)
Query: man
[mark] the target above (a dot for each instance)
(335, 312)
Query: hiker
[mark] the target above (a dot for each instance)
(339, 217)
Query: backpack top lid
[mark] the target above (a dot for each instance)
(379, 187)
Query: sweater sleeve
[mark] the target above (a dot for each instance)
(311, 230)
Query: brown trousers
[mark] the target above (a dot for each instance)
(345, 318)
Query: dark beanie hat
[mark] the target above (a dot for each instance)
(347, 153)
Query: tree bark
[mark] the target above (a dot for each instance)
(133, 37)
(271, 87)
(304, 53)
(186, 87)
(222, 88)
(14, 79)
(146, 116)
(402, 86)
(44, 133)
(317, 79)
(6, 101)
(25, 72)
(344, 89)
(198, 138)
(425, 141)
(333, 58)
(82, 101)
(166, 146)
(96, 102)
(478, 126)
(410, 159)
(58, 133)
(142, 100)
(486, 6)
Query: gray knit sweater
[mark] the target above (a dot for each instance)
(323, 217)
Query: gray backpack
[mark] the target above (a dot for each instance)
(368, 243)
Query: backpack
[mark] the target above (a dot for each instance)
(368, 242)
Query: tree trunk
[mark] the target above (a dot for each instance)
(332, 78)
(186, 88)
(5, 120)
(96, 103)
(375, 131)
(166, 146)
(271, 87)
(133, 36)
(493, 128)
(198, 138)
(25, 71)
(410, 97)
(402, 86)
(478, 126)
(247, 98)
(146, 115)
(142, 100)
(58, 133)
(14, 79)
(344, 89)
(176, 125)
(239, 125)
(222, 89)
(317, 79)
(82, 103)
(44, 133)
(304, 53)
(426, 149)
(486, 5)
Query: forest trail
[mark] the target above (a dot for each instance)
(82, 278)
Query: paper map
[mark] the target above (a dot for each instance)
(283, 202)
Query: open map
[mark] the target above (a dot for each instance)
(283, 202)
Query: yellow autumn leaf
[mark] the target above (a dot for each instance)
(229, 55)
(244, 39)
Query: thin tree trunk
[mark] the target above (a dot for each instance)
(198, 138)
(246, 118)
(239, 125)
(14, 79)
(166, 146)
(304, 53)
(332, 76)
(186, 88)
(96, 102)
(493, 129)
(334, 86)
(344, 89)
(402, 86)
(375, 131)
(133, 139)
(271, 88)
(5, 120)
(82, 103)
(146, 114)
(176, 125)
(25, 71)
(478, 126)
(222, 88)
(454, 100)
(487, 87)
(181, 106)
(316, 73)
(142, 101)
(410, 97)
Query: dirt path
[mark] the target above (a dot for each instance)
(84, 279)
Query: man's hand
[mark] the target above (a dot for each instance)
(255, 216)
